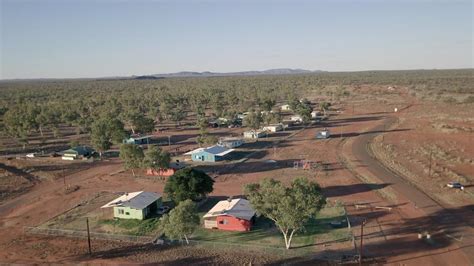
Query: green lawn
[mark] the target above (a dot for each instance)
(265, 233)
(149, 226)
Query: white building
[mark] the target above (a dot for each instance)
(315, 114)
(285, 107)
(230, 142)
(296, 118)
(273, 128)
(255, 134)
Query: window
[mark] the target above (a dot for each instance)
(120, 211)
(127, 213)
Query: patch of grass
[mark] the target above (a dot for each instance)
(264, 232)
(135, 227)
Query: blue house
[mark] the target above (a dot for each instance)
(210, 154)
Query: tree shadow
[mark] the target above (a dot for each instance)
(344, 190)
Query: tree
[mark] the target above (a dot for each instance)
(289, 207)
(188, 183)
(156, 158)
(105, 132)
(304, 110)
(271, 118)
(253, 120)
(181, 221)
(324, 106)
(19, 121)
(204, 137)
(132, 156)
(139, 122)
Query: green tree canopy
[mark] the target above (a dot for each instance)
(181, 221)
(289, 207)
(156, 158)
(253, 120)
(188, 183)
(132, 156)
(304, 110)
(105, 132)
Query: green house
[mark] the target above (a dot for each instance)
(135, 205)
(77, 153)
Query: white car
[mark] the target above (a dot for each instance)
(455, 185)
(31, 155)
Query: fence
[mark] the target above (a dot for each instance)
(83, 234)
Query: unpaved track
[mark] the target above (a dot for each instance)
(452, 221)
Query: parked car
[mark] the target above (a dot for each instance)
(455, 185)
(31, 155)
(163, 209)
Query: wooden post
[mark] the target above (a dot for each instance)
(169, 140)
(361, 241)
(88, 236)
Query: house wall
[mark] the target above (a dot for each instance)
(132, 213)
(162, 172)
(230, 223)
(232, 144)
(203, 157)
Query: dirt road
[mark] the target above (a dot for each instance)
(454, 223)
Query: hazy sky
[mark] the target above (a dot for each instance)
(67, 38)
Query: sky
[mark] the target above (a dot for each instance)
(102, 38)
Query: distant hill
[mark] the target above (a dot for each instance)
(278, 71)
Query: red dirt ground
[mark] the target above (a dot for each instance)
(391, 235)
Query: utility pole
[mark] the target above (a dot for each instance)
(169, 140)
(88, 236)
(361, 240)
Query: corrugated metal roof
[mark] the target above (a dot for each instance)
(216, 150)
(239, 208)
(136, 200)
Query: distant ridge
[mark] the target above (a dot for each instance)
(277, 71)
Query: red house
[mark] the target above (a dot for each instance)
(231, 215)
(166, 172)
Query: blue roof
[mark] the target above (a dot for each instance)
(216, 150)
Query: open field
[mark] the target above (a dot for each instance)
(394, 211)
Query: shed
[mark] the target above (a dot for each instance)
(231, 215)
(135, 205)
(296, 118)
(315, 114)
(210, 154)
(230, 142)
(273, 128)
(78, 152)
(285, 107)
(255, 134)
(137, 139)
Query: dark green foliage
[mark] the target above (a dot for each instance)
(290, 208)
(105, 132)
(253, 120)
(181, 221)
(188, 183)
(132, 156)
(156, 158)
